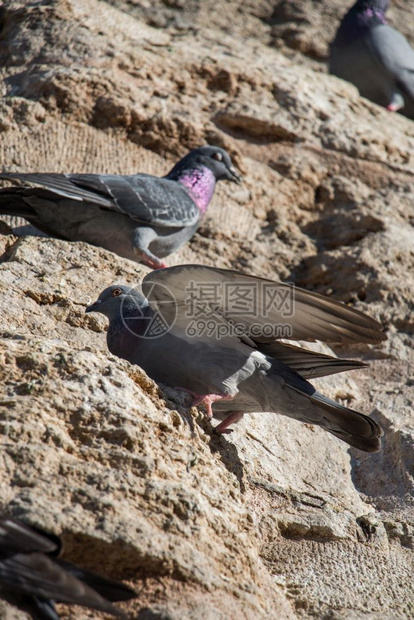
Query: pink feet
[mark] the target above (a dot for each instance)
(207, 400)
(396, 103)
(152, 261)
(223, 427)
(392, 107)
(159, 264)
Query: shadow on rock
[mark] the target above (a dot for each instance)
(229, 457)
(385, 477)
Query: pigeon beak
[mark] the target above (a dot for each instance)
(94, 307)
(235, 176)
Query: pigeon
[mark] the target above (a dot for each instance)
(220, 335)
(33, 578)
(374, 57)
(140, 217)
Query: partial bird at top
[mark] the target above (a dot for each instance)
(139, 216)
(374, 57)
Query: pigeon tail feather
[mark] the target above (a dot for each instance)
(356, 429)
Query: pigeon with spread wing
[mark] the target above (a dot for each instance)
(217, 334)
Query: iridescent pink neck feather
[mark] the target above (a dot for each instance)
(200, 184)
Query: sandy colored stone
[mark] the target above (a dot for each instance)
(278, 520)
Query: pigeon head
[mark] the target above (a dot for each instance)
(362, 16)
(119, 301)
(373, 5)
(218, 161)
(213, 158)
(200, 170)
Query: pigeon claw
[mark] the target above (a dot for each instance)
(154, 264)
(162, 265)
(396, 103)
(206, 399)
(391, 107)
(222, 428)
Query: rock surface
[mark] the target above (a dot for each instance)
(279, 519)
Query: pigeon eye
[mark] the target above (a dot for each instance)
(117, 292)
(217, 156)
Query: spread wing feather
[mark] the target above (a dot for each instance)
(219, 294)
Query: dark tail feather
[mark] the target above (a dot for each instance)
(108, 588)
(356, 429)
(12, 203)
(41, 609)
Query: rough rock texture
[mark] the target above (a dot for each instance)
(279, 519)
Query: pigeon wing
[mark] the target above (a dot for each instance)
(16, 537)
(108, 588)
(61, 185)
(153, 200)
(38, 575)
(143, 198)
(24, 566)
(254, 304)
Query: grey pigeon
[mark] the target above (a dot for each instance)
(139, 216)
(33, 578)
(374, 57)
(216, 333)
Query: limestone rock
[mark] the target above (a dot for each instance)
(278, 520)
